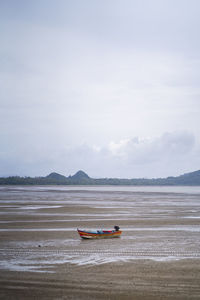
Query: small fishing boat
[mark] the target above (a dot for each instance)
(103, 234)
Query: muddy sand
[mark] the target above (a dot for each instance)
(42, 256)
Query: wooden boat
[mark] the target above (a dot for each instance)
(103, 234)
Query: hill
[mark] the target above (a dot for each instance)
(56, 176)
(80, 175)
(80, 178)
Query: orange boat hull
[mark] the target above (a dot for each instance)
(99, 235)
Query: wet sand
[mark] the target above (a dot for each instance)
(42, 256)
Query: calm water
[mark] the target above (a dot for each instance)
(156, 189)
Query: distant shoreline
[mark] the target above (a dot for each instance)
(81, 178)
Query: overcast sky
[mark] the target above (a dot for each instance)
(111, 87)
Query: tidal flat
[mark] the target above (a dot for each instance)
(42, 255)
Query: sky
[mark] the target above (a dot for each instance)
(111, 87)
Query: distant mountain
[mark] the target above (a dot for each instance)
(80, 175)
(56, 176)
(82, 178)
(192, 178)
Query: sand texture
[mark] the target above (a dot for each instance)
(43, 257)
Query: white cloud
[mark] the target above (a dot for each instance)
(168, 144)
(173, 153)
(169, 154)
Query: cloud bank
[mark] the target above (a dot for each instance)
(169, 154)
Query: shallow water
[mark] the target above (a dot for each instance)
(38, 225)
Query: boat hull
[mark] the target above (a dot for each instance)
(99, 235)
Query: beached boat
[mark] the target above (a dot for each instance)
(103, 234)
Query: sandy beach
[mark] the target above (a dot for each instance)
(42, 256)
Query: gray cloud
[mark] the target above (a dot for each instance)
(170, 154)
(79, 73)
